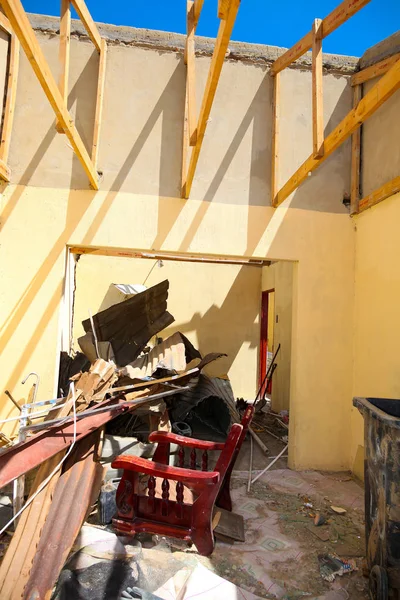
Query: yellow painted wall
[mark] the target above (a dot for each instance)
(216, 306)
(49, 205)
(279, 276)
(377, 315)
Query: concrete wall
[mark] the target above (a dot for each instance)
(49, 206)
(216, 306)
(279, 276)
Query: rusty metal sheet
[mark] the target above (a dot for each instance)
(76, 491)
(173, 354)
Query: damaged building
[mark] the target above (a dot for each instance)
(199, 375)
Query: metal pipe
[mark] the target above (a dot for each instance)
(36, 385)
(7, 393)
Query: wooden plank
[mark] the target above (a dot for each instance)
(376, 70)
(86, 18)
(317, 91)
(23, 29)
(275, 138)
(355, 157)
(385, 191)
(9, 109)
(221, 46)
(64, 53)
(185, 141)
(337, 17)
(223, 8)
(191, 75)
(5, 24)
(5, 171)
(99, 102)
(382, 91)
(198, 5)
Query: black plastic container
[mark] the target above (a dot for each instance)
(382, 494)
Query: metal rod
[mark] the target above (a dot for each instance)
(251, 465)
(7, 393)
(270, 464)
(266, 376)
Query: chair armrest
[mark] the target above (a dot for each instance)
(163, 437)
(143, 465)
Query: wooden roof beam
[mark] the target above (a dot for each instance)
(23, 30)
(377, 95)
(337, 17)
(375, 70)
(86, 18)
(221, 46)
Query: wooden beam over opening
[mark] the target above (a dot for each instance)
(221, 46)
(317, 91)
(337, 17)
(88, 22)
(65, 37)
(385, 191)
(99, 102)
(191, 74)
(275, 138)
(381, 91)
(23, 29)
(376, 70)
(9, 108)
(355, 157)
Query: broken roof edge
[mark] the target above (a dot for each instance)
(175, 42)
(380, 51)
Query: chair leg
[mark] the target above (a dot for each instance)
(204, 540)
(224, 499)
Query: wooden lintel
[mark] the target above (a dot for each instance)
(337, 17)
(317, 90)
(89, 24)
(275, 138)
(221, 46)
(377, 95)
(385, 191)
(64, 52)
(9, 108)
(376, 70)
(355, 157)
(99, 102)
(23, 29)
(191, 74)
(198, 5)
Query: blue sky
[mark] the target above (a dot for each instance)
(279, 23)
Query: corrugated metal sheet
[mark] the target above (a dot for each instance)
(129, 325)
(172, 354)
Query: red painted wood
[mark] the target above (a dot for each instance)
(193, 459)
(163, 437)
(263, 338)
(190, 522)
(204, 461)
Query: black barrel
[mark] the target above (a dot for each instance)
(382, 494)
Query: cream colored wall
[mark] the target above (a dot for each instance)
(216, 306)
(138, 207)
(377, 315)
(279, 276)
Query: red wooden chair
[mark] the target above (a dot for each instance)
(148, 508)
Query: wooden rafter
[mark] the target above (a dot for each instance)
(221, 46)
(377, 95)
(317, 91)
(11, 94)
(376, 70)
(20, 24)
(355, 157)
(88, 22)
(198, 5)
(191, 73)
(385, 191)
(64, 52)
(99, 103)
(275, 137)
(337, 17)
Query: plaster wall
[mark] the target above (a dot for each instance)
(49, 206)
(216, 306)
(279, 276)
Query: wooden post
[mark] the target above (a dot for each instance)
(65, 36)
(275, 138)
(99, 102)
(191, 74)
(9, 108)
(317, 91)
(355, 157)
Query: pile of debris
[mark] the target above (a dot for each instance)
(116, 380)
